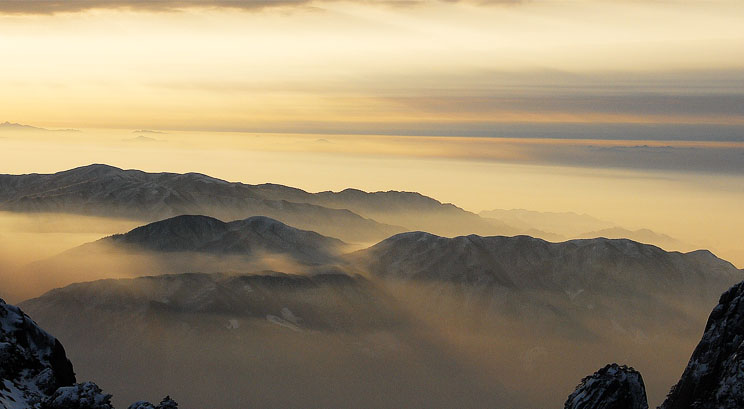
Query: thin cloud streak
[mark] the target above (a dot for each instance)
(75, 6)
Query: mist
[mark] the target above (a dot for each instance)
(26, 238)
(534, 173)
(403, 349)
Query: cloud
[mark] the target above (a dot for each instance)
(716, 107)
(148, 131)
(74, 6)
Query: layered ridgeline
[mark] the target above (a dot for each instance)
(575, 304)
(351, 215)
(585, 273)
(35, 371)
(562, 226)
(713, 377)
(268, 340)
(517, 311)
(189, 244)
(255, 236)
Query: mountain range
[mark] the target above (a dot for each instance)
(189, 243)
(109, 191)
(351, 215)
(588, 297)
(37, 373)
(190, 302)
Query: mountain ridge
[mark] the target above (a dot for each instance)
(351, 214)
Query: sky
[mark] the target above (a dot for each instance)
(375, 67)
(628, 110)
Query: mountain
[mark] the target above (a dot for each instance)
(323, 340)
(410, 209)
(640, 235)
(253, 236)
(523, 263)
(597, 290)
(554, 226)
(15, 127)
(352, 215)
(187, 244)
(34, 363)
(612, 387)
(565, 224)
(35, 370)
(573, 304)
(326, 301)
(112, 192)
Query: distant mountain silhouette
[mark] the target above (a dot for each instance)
(12, 126)
(523, 263)
(109, 191)
(561, 283)
(351, 215)
(325, 301)
(189, 243)
(256, 235)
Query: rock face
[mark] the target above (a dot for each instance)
(714, 377)
(35, 372)
(247, 237)
(85, 395)
(34, 364)
(612, 387)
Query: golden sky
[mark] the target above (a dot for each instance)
(628, 110)
(368, 66)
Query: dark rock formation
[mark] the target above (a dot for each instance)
(714, 377)
(166, 403)
(612, 387)
(35, 372)
(34, 364)
(85, 395)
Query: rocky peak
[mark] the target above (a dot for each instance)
(715, 374)
(612, 387)
(35, 372)
(34, 364)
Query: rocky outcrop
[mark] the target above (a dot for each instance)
(35, 372)
(166, 403)
(34, 364)
(85, 395)
(714, 377)
(612, 387)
